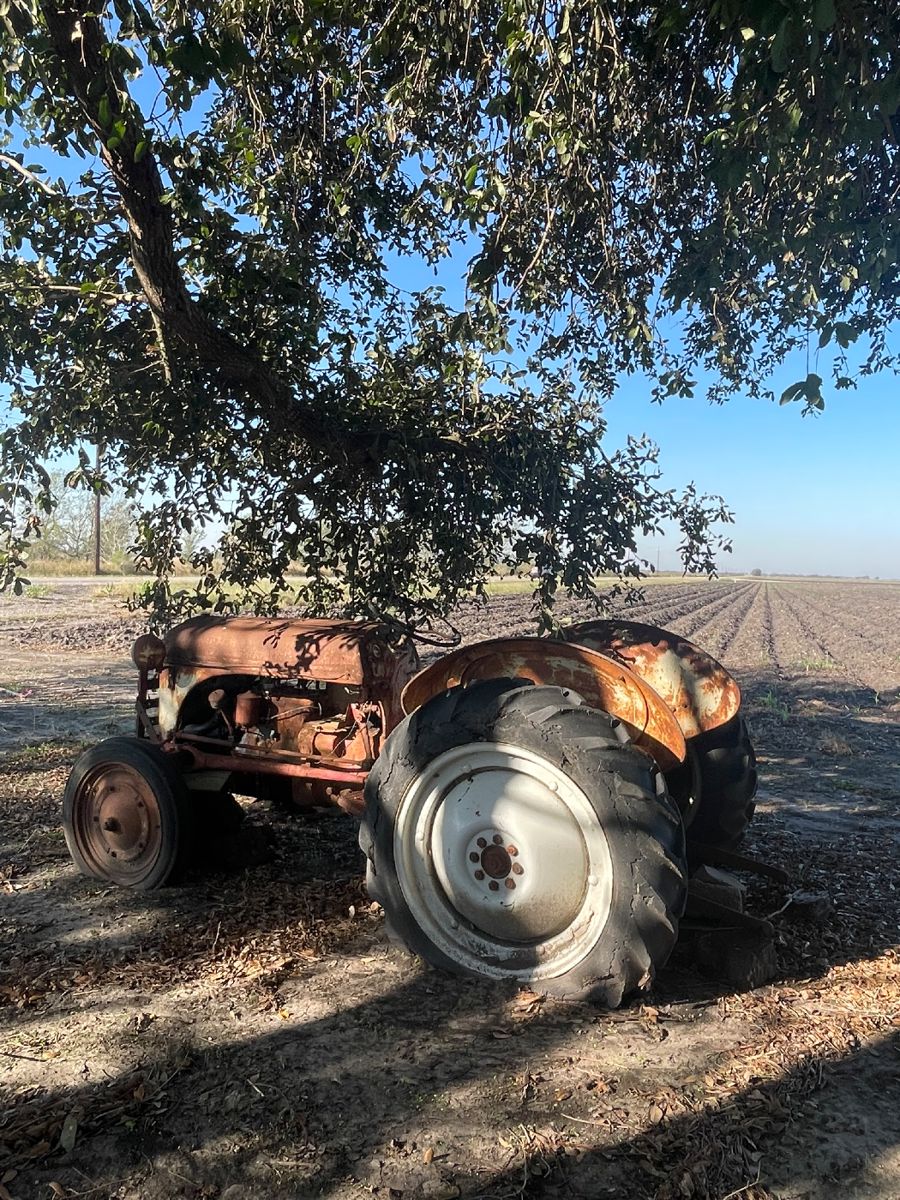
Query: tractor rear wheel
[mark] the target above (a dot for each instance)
(126, 815)
(724, 765)
(513, 833)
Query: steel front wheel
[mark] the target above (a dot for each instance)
(513, 834)
(126, 816)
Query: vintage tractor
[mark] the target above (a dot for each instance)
(531, 809)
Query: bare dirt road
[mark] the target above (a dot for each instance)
(251, 1035)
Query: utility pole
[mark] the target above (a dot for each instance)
(97, 457)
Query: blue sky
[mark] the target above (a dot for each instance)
(809, 495)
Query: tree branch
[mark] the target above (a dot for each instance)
(80, 42)
(73, 289)
(8, 161)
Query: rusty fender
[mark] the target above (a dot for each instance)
(697, 689)
(601, 682)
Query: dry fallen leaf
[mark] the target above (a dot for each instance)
(4, 1194)
(57, 1188)
(69, 1132)
(500, 1033)
(428, 1155)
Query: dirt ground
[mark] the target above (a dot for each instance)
(251, 1035)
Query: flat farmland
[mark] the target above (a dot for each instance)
(252, 1035)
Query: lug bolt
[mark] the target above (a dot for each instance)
(481, 842)
(479, 874)
(510, 883)
(494, 885)
(518, 869)
(473, 857)
(513, 850)
(497, 839)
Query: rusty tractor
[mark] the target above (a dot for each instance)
(530, 809)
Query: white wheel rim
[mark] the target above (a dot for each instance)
(502, 862)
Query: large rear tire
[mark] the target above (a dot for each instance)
(725, 768)
(126, 815)
(513, 833)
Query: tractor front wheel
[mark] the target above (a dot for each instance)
(126, 815)
(513, 833)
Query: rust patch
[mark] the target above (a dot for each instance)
(698, 690)
(600, 681)
(353, 653)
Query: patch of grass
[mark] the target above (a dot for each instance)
(816, 664)
(114, 591)
(38, 591)
(772, 703)
(509, 587)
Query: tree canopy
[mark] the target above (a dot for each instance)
(215, 285)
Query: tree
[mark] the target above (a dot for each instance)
(68, 531)
(654, 187)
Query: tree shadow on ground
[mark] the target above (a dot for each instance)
(350, 1099)
(315, 1105)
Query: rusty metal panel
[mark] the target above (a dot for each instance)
(698, 690)
(600, 681)
(353, 653)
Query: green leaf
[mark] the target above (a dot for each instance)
(794, 392)
(780, 55)
(824, 15)
(845, 334)
(470, 177)
(140, 149)
(104, 112)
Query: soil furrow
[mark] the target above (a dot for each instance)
(740, 641)
(874, 639)
(698, 618)
(720, 644)
(827, 660)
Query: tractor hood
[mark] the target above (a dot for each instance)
(354, 653)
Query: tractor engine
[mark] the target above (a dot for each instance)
(311, 719)
(309, 702)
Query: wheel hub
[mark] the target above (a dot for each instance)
(117, 823)
(501, 842)
(496, 862)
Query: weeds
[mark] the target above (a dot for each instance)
(774, 704)
(816, 664)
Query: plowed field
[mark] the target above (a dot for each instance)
(252, 1036)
